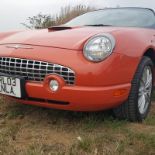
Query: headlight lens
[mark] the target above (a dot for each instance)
(54, 85)
(99, 47)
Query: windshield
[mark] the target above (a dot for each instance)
(123, 17)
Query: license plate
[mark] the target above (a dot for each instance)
(10, 86)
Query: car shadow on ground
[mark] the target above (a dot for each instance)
(44, 116)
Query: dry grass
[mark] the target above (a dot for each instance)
(27, 130)
(68, 13)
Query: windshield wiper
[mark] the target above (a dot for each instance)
(98, 25)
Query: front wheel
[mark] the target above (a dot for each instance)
(137, 106)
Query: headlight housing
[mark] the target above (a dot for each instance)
(99, 47)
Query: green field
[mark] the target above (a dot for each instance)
(28, 130)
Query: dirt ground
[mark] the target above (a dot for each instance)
(28, 130)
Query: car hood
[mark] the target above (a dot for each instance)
(72, 38)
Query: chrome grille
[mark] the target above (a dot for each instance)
(34, 70)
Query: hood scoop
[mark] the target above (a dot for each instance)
(59, 28)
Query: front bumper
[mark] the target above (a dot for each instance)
(76, 98)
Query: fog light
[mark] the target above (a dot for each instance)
(54, 85)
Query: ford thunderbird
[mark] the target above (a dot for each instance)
(100, 60)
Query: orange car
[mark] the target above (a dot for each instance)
(100, 60)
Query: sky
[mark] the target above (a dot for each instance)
(15, 12)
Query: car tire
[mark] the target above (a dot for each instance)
(136, 108)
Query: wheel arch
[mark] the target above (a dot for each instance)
(150, 53)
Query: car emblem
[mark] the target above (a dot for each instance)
(19, 46)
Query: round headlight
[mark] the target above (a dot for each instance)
(99, 47)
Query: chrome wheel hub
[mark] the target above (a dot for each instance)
(145, 89)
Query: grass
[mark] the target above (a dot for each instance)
(28, 130)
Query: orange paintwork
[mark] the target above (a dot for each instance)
(98, 86)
